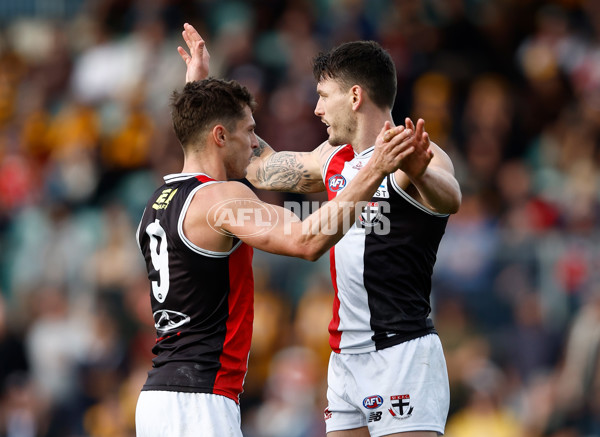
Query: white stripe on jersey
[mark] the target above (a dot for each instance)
(354, 310)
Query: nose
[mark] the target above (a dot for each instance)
(319, 109)
(254, 143)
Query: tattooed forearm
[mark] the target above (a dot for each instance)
(297, 172)
(283, 171)
(262, 145)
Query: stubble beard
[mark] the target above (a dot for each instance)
(345, 137)
(235, 170)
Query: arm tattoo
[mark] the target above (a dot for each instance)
(262, 145)
(284, 172)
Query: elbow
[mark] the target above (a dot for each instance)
(454, 205)
(308, 250)
(457, 202)
(313, 255)
(453, 208)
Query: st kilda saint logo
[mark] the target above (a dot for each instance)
(401, 408)
(370, 215)
(373, 217)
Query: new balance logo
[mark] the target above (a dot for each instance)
(375, 417)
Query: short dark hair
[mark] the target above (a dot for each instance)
(203, 103)
(363, 63)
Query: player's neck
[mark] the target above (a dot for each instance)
(367, 130)
(211, 166)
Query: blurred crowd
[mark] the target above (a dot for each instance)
(509, 88)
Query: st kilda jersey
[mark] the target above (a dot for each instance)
(381, 269)
(202, 301)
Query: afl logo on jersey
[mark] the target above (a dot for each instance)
(372, 402)
(336, 182)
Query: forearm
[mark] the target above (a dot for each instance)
(282, 171)
(439, 189)
(326, 226)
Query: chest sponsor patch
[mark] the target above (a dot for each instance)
(167, 320)
(382, 192)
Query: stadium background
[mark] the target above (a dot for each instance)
(509, 88)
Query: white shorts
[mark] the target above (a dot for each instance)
(170, 413)
(398, 389)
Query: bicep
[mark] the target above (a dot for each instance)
(441, 160)
(261, 225)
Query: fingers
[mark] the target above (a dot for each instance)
(383, 130)
(184, 55)
(420, 128)
(402, 155)
(426, 138)
(391, 132)
(421, 136)
(399, 135)
(192, 38)
(186, 36)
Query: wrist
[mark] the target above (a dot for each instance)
(374, 173)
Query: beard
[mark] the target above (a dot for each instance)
(336, 141)
(236, 170)
(344, 132)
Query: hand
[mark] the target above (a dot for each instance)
(198, 59)
(415, 165)
(392, 146)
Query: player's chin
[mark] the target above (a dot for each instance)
(336, 142)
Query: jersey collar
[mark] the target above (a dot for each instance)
(365, 153)
(178, 177)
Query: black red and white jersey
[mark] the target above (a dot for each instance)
(381, 269)
(202, 301)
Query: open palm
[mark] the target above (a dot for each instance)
(198, 59)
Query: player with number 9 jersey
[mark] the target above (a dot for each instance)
(199, 298)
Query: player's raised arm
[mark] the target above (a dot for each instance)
(431, 172)
(198, 58)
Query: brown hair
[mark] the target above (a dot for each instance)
(363, 63)
(205, 103)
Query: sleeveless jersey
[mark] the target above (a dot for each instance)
(381, 269)
(202, 301)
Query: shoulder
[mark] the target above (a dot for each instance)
(230, 195)
(441, 160)
(325, 151)
(225, 190)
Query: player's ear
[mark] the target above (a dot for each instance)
(357, 96)
(219, 134)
